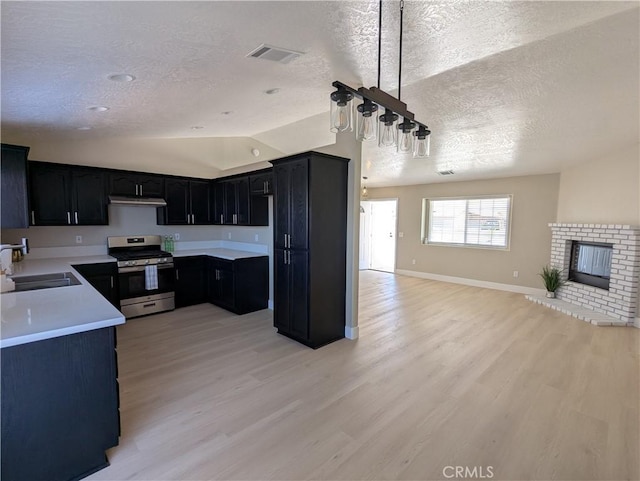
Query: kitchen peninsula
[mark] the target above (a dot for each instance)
(59, 377)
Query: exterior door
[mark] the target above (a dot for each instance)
(383, 235)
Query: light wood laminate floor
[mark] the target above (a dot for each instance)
(442, 375)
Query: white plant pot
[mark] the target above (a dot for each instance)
(551, 295)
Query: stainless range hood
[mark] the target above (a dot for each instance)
(125, 200)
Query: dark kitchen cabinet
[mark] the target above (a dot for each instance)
(13, 178)
(240, 285)
(59, 406)
(67, 195)
(187, 203)
(310, 209)
(104, 279)
(191, 280)
(233, 203)
(261, 183)
(261, 186)
(236, 201)
(134, 184)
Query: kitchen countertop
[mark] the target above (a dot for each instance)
(30, 316)
(229, 254)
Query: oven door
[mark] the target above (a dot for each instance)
(132, 281)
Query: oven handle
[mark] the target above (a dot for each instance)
(126, 270)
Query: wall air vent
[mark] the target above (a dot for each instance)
(446, 172)
(275, 54)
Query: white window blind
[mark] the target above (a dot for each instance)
(468, 221)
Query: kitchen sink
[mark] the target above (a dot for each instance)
(45, 281)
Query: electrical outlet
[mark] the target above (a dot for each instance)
(256, 238)
(516, 273)
(229, 235)
(78, 239)
(413, 261)
(400, 234)
(176, 236)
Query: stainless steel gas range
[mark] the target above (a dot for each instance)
(145, 273)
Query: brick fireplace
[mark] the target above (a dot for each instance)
(619, 302)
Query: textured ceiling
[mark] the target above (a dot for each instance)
(508, 88)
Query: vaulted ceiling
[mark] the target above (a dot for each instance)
(508, 88)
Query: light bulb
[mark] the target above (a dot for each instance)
(388, 135)
(389, 132)
(367, 123)
(422, 144)
(405, 143)
(341, 118)
(367, 128)
(341, 110)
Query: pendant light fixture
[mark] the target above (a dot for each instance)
(408, 136)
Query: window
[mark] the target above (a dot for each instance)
(482, 222)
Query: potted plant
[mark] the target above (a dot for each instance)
(552, 278)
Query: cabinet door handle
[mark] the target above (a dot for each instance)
(193, 219)
(177, 275)
(76, 216)
(136, 189)
(69, 218)
(264, 187)
(289, 257)
(284, 255)
(33, 217)
(111, 282)
(221, 219)
(140, 189)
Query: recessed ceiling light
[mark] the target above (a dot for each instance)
(98, 108)
(226, 112)
(272, 91)
(122, 77)
(197, 127)
(83, 128)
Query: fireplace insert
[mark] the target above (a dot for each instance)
(591, 263)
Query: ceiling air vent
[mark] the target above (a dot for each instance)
(275, 54)
(446, 172)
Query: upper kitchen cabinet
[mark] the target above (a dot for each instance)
(261, 183)
(136, 184)
(15, 199)
(230, 201)
(67, 195)
(187, 202)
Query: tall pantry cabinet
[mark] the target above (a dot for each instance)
(310, 232)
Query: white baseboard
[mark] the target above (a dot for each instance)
(351, 332)
(636, 323)
(473, 282)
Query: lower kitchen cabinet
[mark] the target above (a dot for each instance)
(191, 280)
(60, 406)
(104, 279)
(240, 285)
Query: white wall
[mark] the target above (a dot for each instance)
(534, 206)
(603, 191)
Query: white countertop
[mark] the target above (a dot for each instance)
(229, 254)
(47, 313)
